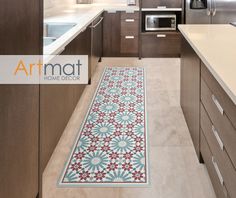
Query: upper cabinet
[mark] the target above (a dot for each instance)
(161, 3)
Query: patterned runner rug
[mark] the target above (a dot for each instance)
(111, 148)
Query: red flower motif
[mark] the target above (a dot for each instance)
(112, 114)
(114, 155)
(138, 139)
(132, 105)
(111, 120)
(137, 175)
(139, 121)
(95, 139)
(138, 148)
(79, 155)
(84, 175)
(130, 133)
(115, 101)
(117, 133)
(118, 126)
(92, 148)
(112, 166)
(76, 166)
(101, 114)
(128, 155)
(87, 133)
(121, 109)
(130, 126)
(100, 175)
(100, 120)
(127, 166)
(107, 139)
(105, 148)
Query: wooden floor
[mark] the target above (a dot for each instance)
(174, 168)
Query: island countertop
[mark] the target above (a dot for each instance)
(216, 47)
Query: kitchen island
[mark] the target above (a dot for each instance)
(208, 99)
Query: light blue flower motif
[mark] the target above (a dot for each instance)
(103, 130)
(139, 91)
(70, 176)
(116, 78)
(140, 107)
(131, 73)
(96, 161)
(139, 161)
(99, 98)
(119, 176)
(92, 117)
(109, 107)
(125, 118)
(122, 144)
(114, 91)
(83, 143)
(139, 130)
(129, 84)
(128, 98)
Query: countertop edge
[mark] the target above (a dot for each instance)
(213, 72)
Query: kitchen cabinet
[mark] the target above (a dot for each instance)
(162, 44)
(97, 42)
(20, 33)
(121, 34)
(190, 91)
(111, 34)
(161, 3)
(57, 102)
(210, 114)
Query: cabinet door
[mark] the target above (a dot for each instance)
(190, 91)
(161, 44)
(57, 102)
(20, 33)
(111, 34)
(162, 3)
(96, 53)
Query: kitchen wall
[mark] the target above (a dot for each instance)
(110, 1)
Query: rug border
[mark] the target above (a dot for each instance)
(115, 185)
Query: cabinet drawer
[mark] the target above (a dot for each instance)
(221, 157)
(228, 106)
(125, 15)
(129, 27)
(224, 127)
(129, 44)
(211, 165)
(161, 45)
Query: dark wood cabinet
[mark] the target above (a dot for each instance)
(161, 3)
(21, 31)
(190, 91)
(97, 42)
(162, 44)
(57, 102)
(111, 34)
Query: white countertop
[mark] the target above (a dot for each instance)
(82, 15)
(216, 46)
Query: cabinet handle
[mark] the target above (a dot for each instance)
(219, 107)
(94, 26)
(217, 171)
(129, 20)
(161, 35)
(215, 132)
(129, 37)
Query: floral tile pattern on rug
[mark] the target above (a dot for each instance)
(111, 148)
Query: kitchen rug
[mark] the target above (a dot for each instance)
(111, 148)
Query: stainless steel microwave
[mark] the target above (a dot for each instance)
(160, 22)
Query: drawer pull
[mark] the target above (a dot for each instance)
(218, 138)
(129, 20)
(129, 37)
(219, 107)
(161, 35)
(217, 171)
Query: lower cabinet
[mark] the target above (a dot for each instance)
(57, 102)
(163, 44)
(96, 42)
(210, 115)
(121, 34)
(190, 91)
